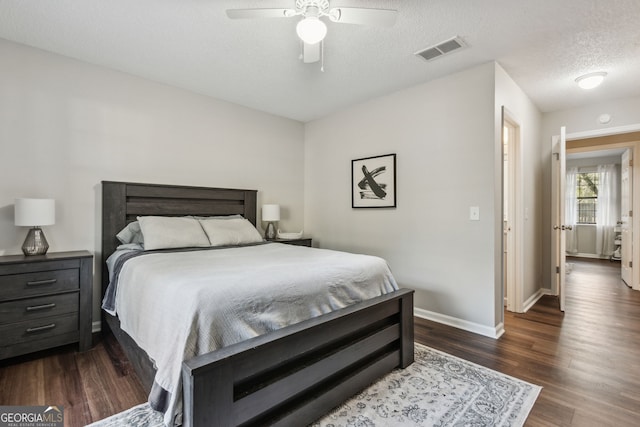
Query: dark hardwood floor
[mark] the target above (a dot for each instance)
(91, 385)
(587, 359)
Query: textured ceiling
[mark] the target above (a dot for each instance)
(542, 44)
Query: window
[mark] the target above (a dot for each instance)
(587, 194)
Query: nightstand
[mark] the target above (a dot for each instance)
(298, 242)
(45, 301)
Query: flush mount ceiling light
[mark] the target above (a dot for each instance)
(591, 80)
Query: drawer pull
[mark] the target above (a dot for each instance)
(42, 282)
(40, 307)
(42, 328)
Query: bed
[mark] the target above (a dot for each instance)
(290, 376)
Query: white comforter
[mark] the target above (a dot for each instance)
(179, 305)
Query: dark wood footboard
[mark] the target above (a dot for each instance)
(297, 374)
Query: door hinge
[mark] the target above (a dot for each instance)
(630, 162)
(630, 264)
(557, 269)
(630, 213)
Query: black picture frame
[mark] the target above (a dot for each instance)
(373, 182)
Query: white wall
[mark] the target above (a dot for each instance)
(527, 115)
(585, 234)
(66, 125)
(444, 137)
(624, 112)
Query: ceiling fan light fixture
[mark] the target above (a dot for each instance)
(311, 30)
(591, 80)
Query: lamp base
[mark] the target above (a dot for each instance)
(35, 243)
(270, 231)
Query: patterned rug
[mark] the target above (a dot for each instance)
(436, 390)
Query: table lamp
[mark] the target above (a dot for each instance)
(270, 214)
(35, 213)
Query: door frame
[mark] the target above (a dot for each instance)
(635, 147)
(558, 191)
(514, 249)
(626, 242)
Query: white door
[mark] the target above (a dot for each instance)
(626, 188)
(558, 243)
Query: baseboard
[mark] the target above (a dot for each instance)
(585, 255)
(96, 327)
(499, 330)
(476, 328)
(534, 299)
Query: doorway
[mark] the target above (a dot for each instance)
(512, 264)
(623, 145)
(594, 202)
(597, 204)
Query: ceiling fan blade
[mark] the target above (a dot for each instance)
(357, 15)
(259, 13)
(311, 52)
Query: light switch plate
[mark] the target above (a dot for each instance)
(474, 213)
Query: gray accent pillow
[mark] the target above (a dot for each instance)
(131, 234)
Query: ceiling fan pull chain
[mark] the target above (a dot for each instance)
(322, 56)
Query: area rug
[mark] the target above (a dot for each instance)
(436, 390)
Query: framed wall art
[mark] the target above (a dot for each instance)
(373, 182)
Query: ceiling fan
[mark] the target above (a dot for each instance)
(311, 29)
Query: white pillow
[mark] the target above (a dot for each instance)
(163, 232)
(234, 231)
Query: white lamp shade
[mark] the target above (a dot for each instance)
(35, 212)
(311, 30)
(271, 212)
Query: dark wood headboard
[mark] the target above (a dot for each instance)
(122, 202)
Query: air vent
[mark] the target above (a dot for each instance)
(441, 49)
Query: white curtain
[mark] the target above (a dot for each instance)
(571, 210)
(608, 210)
